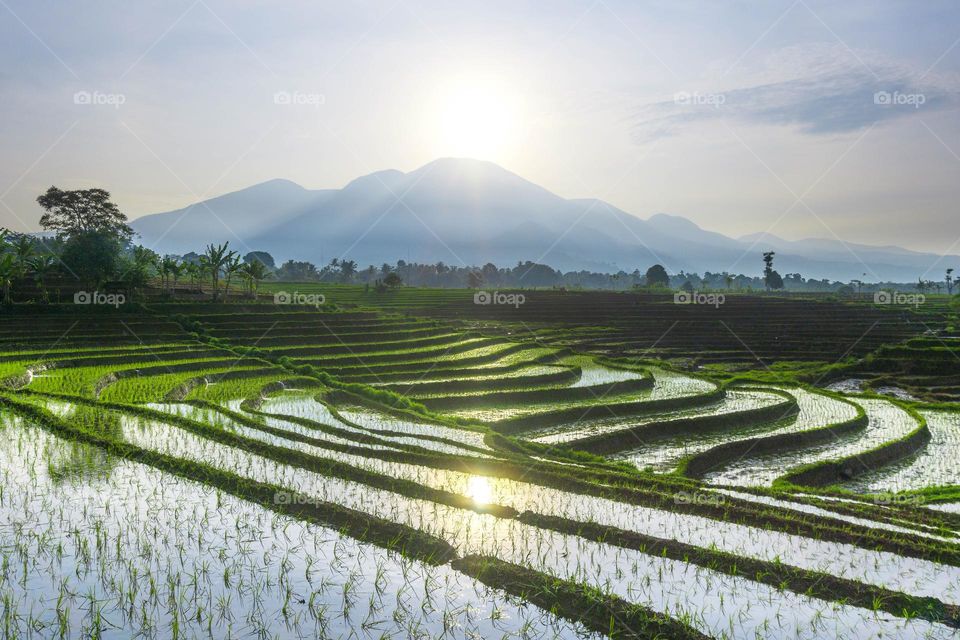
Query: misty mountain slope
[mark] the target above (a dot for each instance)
(242, 214)
(473, 212)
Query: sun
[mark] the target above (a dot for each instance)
(476, 118)
(480, 490)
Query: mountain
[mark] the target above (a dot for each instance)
(472, 212)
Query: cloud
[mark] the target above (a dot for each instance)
(818, 89)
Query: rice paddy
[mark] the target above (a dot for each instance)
(218, 471)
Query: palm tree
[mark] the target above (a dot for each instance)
(139, 273)
(168, 268)
(8, 271)
(42, 266)
(213, 260)
(194, 272)
(347, 269)
(176, 270)
(23, 251)
(253, 273)
(158, 267)
(230, 268)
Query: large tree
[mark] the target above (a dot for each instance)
(657, 276)
(81, 211)
(770, 277)
(292, 270)
(262, 257)
(392, 280)
(93, 256)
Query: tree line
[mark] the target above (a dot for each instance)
(91, 244)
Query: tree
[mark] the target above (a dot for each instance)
(774, 281)
(82, 211)
(768, 262)
(295, 271)
(253, 273)
(231, 268)
(657, 276)
(474, 280)
(23, 250)
(392, 280)
(193, 271)
(140, 269)
(213, 259)
(92, 256)
(347, 269)
(771, 279)
(166, 267)
(170, 269)
(262, 257)
(948, 279)
(490, 273)
(42, 267)
(8, 271)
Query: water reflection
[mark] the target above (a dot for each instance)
(480, 490)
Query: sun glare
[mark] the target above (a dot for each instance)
(476, 118)
(480, 490)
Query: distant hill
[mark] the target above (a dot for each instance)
(470, 211)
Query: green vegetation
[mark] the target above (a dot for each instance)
(516, 459)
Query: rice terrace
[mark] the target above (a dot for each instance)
(409, 463)
(420, 320)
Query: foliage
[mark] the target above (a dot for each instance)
(82, 211)
(261, 257)
(92, 256)
(656, 276)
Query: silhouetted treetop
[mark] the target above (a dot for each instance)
(82, 211)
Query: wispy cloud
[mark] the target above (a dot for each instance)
(816, 89)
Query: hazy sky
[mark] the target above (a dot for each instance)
(801, 118)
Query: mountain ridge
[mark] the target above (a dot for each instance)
(467, 211)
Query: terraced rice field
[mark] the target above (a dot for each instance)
(938, 464)
(227, 471)
(886, 423)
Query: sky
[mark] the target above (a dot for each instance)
(796, 118)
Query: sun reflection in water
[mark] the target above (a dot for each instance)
(480, 490)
